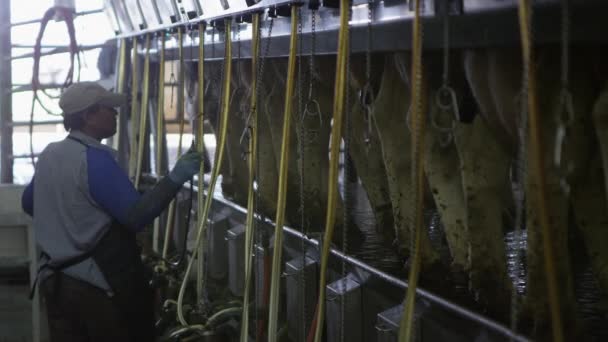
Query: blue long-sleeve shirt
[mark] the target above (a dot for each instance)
(77, 191)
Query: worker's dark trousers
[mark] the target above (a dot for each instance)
(78, 311)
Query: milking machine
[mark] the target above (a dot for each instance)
(243, 273)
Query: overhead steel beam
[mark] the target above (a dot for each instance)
(475, 23)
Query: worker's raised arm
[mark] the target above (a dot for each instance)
(111, 188)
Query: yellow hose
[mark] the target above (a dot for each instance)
(336, 136)
(122, 57)
(251, 162)
(160, 133)
(181, 116)
(418, 125)
(216, 166)
(200, 145)
(134, 110)
(538, 168)
(273, 315)
(144, 113)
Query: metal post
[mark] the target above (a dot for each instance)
(6, 105)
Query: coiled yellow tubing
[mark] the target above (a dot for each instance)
(538, 168)
(160, 115)
(251, 162)
(143, 115)
(418, 125)
(336, 136)
(216, 166)
(273, 314)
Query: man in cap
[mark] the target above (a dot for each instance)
(85, 214)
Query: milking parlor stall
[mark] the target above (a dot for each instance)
(397, 170)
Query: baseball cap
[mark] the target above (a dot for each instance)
(82, 95)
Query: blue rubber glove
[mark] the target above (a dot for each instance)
(187, 166)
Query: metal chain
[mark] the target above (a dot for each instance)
(367, 93)
(565, 116)
(190, 86)
(345, 182)
(311, 59)
(312, 107)
(301, 132)
(172, 81)
(445, 98)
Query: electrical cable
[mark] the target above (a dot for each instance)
(273, 315)
(251, 162)
(120, 86)
(134, 108)
(538, 167)
(216, 165)
(143, 115)
(336, 136)
(181, 116)
(67, 14)
(199, 135)
(417, 118)
(160, 132)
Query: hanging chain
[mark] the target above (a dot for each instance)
(367, 93)
(301, 210)
(345, 181)
(565, 115)
(190, 87)
(312, 107)
(445, 98)
(172, 81)
(258, 81)
(237, 88)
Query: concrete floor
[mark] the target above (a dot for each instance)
(16, 311)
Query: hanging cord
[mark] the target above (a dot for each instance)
(180, 115)
(538, 167)
(160, 132)
(406, 331)
(134, 108)
(265, 260)
(143, 115)
(68, 16)
(200, 147)
(251, 162)
(273, 315)
(565, 115)
(336, 135)
(216, 165)
(445, 99)
(120, 86)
